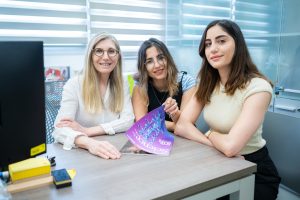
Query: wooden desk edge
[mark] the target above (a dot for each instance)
(209, 185)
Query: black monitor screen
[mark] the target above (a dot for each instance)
(22, 101)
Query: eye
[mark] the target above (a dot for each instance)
(207, 44)
(112, 51)
(160, 57)
(221, 41)
(149, 62)
(99, 51)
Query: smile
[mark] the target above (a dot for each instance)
(214, 58)
(158, 71)
(105, 64)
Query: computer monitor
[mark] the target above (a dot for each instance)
(22, 101)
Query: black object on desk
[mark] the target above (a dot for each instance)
(61, 178)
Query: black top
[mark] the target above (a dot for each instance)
(157, 98)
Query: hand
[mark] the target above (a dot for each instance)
(240, 156)
(171, 107)
(134, 149)
(67, 122)
(103, 149)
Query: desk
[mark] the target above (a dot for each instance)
(191, 168)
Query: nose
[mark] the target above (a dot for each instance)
(105, 55)
(214, 47)
(156, 63)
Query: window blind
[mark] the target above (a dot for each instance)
(130, 21)
(258, 21)
(189, 18)
(53, 21)
(186, 19)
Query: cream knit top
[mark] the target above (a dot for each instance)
(224, 110)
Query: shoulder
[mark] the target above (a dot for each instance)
(74, 82)
(187, 81)
(258, 85)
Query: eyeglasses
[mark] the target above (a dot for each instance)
(110, 52)
(160, 59)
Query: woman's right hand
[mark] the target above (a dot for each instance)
(103, 149)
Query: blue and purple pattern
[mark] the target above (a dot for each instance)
(150, 133)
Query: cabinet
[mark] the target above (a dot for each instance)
(282, 122)
(287, 100)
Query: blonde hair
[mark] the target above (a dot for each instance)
(90, 90)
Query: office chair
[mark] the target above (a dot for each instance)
(53, 92)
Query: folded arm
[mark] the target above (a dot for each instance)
(250, 119)
(185, 126)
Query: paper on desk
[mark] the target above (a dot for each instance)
(150, 133)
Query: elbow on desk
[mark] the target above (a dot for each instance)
(229, 153)
(230, 150)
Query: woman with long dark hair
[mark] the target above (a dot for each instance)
(160, 83)
(234, 97)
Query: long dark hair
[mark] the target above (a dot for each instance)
(242, 67)
(143, 76)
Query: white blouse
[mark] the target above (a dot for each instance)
(72, 106)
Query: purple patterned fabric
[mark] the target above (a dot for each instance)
(150, 133)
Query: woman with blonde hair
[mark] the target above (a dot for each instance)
(97, 102)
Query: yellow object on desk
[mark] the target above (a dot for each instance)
(72, 173)
(29, 168)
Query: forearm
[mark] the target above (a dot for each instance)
(66, 136)
(170, 126)
(94, 131)
(194, 134)
(224, 143)
(119, 125)
(82, 141)
(176, 116)
(191, 132)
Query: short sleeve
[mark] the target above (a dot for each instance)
(258, 85)
(187, 82)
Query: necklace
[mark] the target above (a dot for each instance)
(156, 97)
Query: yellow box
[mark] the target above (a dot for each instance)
(29, 168)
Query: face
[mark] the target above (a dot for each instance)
(105, 56)
(219, 48)
(156, 64)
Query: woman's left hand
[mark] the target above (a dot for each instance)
(171, 107)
